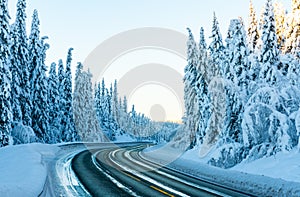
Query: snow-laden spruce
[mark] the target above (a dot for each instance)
(5, 76)
(85, 118)
(53, 104)
(69, 133)
(39, 85)
(253, 34)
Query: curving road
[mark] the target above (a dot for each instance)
(122, 171)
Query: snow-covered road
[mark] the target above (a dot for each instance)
(45, 170)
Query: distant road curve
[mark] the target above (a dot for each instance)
(121, 171)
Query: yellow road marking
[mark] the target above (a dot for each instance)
(132, 176)
(161, 191)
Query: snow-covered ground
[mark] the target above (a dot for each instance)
(23, 171)
(124, 138)
(283, 165)
(272, 176)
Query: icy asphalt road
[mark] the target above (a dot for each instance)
(119, 170)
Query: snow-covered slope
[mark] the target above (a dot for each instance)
(22, 170)
(282, 165)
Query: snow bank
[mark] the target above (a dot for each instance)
(22, 169)
(273, 176)
(282, 165)
(124, 138)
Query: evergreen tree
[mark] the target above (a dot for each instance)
(295, 36)
(69, 132)
(280, 17)
(5, 76)
(16, 71)
(37, 52)
(112, 121)
(292, 27)
(53, 103)
(20, 66)
(115, 104)
(296, 47)
(84, 108)
(237, 54)
(216, 47)
(269, 50)
(203, 50)
(62, 100)
(133, 121)
(78, 104)
(253, 34)
(201, 87)
(98, 103)
(191, 119)
(125, 104)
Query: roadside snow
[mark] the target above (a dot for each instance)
(124, 138)
(283, 165)
(22, 169)
(273, 176)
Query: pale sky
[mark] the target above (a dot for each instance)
(84, 25)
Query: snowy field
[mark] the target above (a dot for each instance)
(272, 176)
(23, 170)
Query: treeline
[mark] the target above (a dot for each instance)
(101, 115)
(242, 97)
(40, 106)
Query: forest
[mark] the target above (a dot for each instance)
(242, 95)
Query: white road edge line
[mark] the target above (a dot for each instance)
(127, 155)
(145, 177)
(120, 185)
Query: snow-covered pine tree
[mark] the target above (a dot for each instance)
(112, 121)
(191, 119)
(39, 85)
(296, 47)
(109, 124)
(253, 34)
(69, 133)
(124, 118)
(21, 88)
(5, 76)
(16, 71)
(86, 122)
(133, 121)
(5, 109)
(103, 103)
(295, 36)
(292, 25)
(98, 104)
(78, 104)
(53, 103)
(23, 60)
(203, 60)
(269, 55)
(237, 56)
(280, 16)
(93, 126)
(62, 100)
(216, 48)
(201, 87)
(115, 104)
